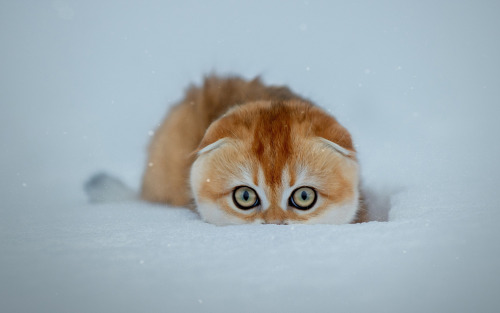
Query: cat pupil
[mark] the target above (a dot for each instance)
(246, 195)
(304, 195)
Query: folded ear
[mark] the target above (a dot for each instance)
(337, 147)
(331, 132)
(212, 146)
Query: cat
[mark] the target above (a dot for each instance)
(240, 152)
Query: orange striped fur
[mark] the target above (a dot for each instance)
(231, 133)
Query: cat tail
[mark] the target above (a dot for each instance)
(104, 188)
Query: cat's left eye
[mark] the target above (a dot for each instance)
(303, 198)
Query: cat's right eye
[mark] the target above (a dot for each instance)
(245, 198)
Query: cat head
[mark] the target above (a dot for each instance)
(281, 162)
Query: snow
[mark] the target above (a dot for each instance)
(83, 84)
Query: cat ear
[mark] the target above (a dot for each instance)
(212, 146)
(337, 147)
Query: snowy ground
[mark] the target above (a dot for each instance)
(82, 85)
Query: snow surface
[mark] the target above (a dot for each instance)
(84, 83)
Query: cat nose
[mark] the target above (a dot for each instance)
(274, 215)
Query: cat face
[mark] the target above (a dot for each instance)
(276, 162)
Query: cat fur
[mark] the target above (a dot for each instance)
(232, 132)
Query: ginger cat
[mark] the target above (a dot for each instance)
(250, 153)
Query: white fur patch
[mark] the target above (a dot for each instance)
(336, 215)
(212, 214)
(344, 214)
(336, 147)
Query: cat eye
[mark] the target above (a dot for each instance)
(303, 198)
(245, 198)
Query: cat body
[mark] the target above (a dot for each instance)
(250, 153)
